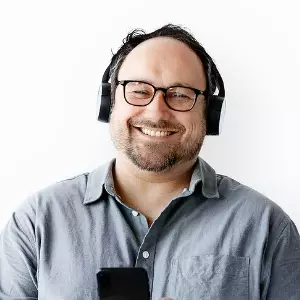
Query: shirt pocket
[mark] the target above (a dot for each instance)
(211, 277)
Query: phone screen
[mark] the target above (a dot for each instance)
(123, 284)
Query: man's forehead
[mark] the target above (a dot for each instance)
(162, 57)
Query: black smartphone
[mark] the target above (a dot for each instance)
(123, 284)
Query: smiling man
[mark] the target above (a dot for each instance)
(160, 127)
(157, 205)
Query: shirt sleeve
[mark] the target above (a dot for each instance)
(284, 272)
(18, 259)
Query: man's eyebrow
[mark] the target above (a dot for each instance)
(183, 84)
(176, 83)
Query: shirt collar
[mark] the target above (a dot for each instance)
(103, 177)
(96, 180)
(204, 173)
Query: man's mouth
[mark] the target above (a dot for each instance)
(155, 132)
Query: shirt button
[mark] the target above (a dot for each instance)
(146, 254)
(135, 213)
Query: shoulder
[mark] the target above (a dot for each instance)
(70, 189)
(251, 204)
(70, 192)
(53, 198)
(66, 197)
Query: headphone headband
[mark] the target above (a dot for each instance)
(105, 77)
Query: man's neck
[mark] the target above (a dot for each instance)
(149, 192)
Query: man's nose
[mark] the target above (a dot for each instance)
(158, 103)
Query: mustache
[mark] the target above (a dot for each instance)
(160, 124)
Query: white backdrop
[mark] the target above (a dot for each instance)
(53, 53)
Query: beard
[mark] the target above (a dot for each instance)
(155, 156)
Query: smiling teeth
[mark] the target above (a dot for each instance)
(155, 133)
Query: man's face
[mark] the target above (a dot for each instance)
(163, 62)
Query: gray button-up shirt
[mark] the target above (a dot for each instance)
(217, 240)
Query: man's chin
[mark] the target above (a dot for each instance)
(155, 168)
(152, 164)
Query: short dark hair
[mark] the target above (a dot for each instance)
(137, 36)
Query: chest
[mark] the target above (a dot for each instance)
(188, 254)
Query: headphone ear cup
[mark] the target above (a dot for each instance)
(215, 114)
(104, 102)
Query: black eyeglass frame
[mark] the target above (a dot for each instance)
(164, 90)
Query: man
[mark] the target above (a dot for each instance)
(199, 235)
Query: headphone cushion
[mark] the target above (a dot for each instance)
(104, 102)
(214, 112)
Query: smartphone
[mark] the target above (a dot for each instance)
(123, 284)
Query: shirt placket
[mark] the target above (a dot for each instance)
(146, 253)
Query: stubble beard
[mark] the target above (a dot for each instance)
(155, 156)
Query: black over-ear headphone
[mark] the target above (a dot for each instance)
(215, 103)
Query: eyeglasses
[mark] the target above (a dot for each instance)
(179, 98)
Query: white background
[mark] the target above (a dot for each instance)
(53, 53)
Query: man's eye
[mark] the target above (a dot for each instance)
(141, 92)
(178, 95)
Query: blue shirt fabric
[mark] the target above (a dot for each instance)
(218, 239)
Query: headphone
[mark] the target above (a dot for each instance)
(215, 103)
